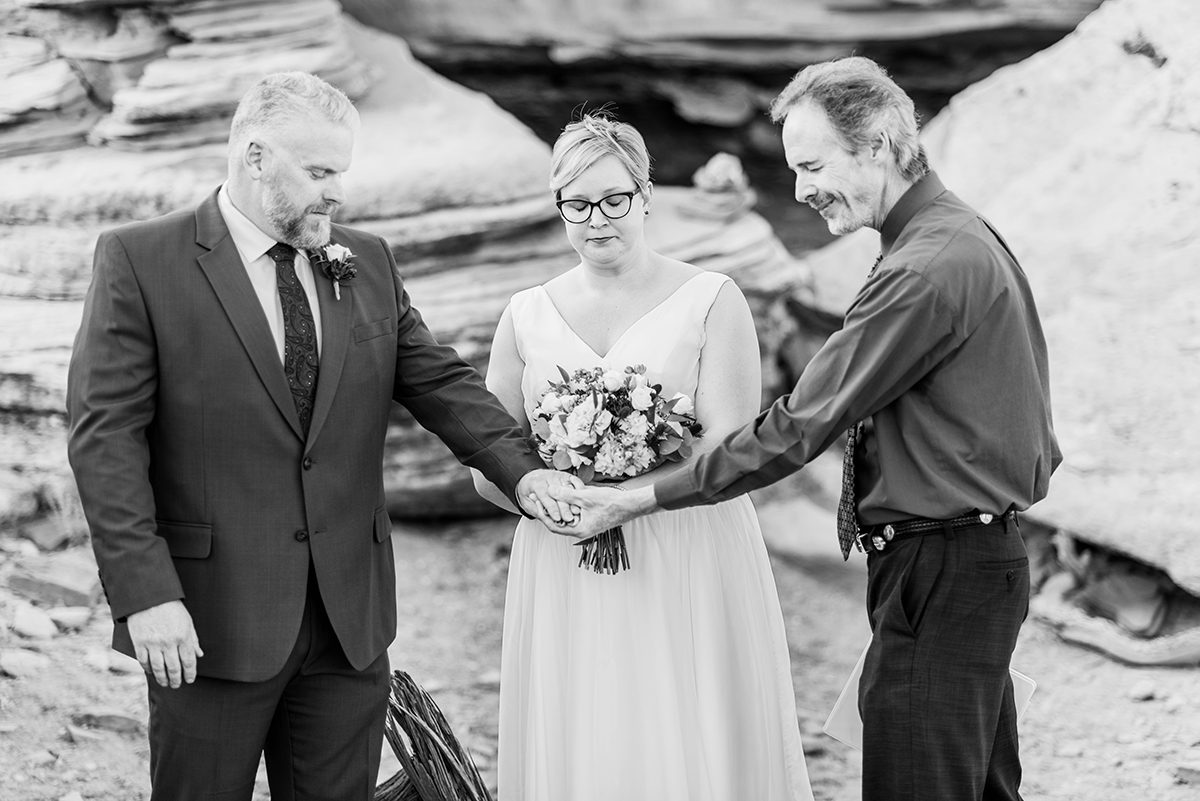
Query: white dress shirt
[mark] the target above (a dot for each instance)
(252, 245)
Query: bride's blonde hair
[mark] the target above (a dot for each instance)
(593, 136)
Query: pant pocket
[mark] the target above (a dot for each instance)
(920, 584)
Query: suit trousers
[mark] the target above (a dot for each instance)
(319, 723)
(936, 698)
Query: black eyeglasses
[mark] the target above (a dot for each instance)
(614, 207)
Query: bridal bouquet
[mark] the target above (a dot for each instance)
(604, 424)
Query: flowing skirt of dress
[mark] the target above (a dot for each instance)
(670, 681)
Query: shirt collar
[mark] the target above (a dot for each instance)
(918, 196)
(252, 243)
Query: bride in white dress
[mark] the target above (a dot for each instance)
(669, 681)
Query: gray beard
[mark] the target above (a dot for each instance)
(297, 231)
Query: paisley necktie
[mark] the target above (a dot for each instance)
(300, 361)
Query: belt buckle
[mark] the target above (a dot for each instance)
(858, 541)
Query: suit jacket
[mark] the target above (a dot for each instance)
(195, 478)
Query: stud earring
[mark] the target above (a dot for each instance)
(646, 212)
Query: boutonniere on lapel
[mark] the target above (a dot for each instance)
(337, 262)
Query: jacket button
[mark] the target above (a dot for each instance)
(307, 463)
(301, 535)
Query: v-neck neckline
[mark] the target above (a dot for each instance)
(630, 327)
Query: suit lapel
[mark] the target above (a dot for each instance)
(336, 317)
(223, 267)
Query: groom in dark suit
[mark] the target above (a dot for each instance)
(228, 398)
(940, 375)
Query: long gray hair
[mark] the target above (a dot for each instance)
(861, 101)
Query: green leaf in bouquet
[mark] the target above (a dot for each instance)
(670, 445)
(566, 377)
(541, 428)
(562, 460)
(586, 473)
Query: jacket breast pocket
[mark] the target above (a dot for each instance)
(186, 540)
(378, 328)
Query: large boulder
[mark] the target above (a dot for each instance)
(1087, 158)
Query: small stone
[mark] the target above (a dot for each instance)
(1188, 773)
(21, 663)
(108, 720)
(32, 623)
(47, 533)
(1143, 691)
(125, 665)
(813, 746)
(96, 658)
(70, 618)
(1071, 748)
(78, 734)
(1161, 780)
(42, 759)
(71, 796)
(489, 679)
(8, 727)
(68, 578)
(22, 548)
(434, 686)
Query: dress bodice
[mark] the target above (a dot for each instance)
(667, 339)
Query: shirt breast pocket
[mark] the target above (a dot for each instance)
(379, 328)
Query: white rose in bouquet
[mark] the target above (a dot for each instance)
(683, 404)
(642, 398)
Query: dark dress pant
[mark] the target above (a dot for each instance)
(319, 722)
(939, 722)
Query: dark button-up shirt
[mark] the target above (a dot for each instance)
(941, 355)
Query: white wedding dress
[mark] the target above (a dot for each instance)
(669, 681)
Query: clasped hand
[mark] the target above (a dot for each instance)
(536, 492)
(599, 508)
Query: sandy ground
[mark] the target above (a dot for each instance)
(1095, 729)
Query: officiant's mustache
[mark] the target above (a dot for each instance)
(820, 201)
(328, 207)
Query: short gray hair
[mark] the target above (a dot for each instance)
(861, 101)
(590, 138)
(274, 102)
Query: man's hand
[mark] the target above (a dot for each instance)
(602, 508)
(535, 494)
(165, 643)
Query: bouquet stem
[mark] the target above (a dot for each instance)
(605, 552)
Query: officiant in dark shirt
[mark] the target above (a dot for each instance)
(939, 379)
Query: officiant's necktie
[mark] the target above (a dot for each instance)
(300, 361)
(847, 511)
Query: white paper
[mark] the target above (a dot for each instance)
(845, 724)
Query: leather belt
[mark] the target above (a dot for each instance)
(920, 526)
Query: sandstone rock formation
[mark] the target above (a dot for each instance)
(456, 185)
(703, 57)
(1087, 158)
